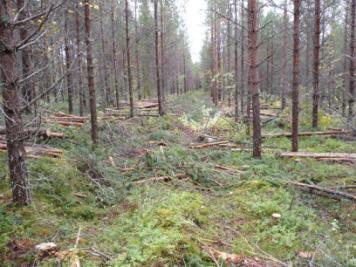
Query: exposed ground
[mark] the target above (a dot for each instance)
(146, 198)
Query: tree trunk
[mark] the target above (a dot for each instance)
(163, 62)
(114, 54)
(158, 76)
(236, 64)
(68, 54)
(345, 64)
(138, 77)
(352, 60)
(90, 68)
(11, 104)
(128, 58)
(184, 69)
(284, 56)
(242, 64)
(316, 92)
(296, 63)
(79, 59)
(254, 83)
(28, 88)
(107, 89)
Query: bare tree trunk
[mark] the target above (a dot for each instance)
(184, 69)
(11, 103)
(242, 64)
(163, 63)
(79, 59)
(68, 54)
(296, 63)
(316, 92)
(228, 53)
(114, 60)
(284, 56)
(107, 89)
(254, 83)
(90, 67)
(236, 65)
(345, 65)
(139, 93)
(158, 76)
(28, 88)
(352, 60)
(128, 58)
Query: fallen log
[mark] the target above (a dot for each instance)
(180, 176)
(326, 133)
(325, 191)
(198, 146)
(35, 132)
(64, 123)
(37, 152)
(323, 156)
(69, 119)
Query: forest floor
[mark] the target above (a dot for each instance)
(146, 197)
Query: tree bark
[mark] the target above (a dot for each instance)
(90, 67)
(114, 54)
(352, 60)
(79, 60)
(316, 92)
(68, 55)
(107, 89)
(137, 42)
(163, 61)
(236, 64)
(28, 88)
(11, 103)
(296, 71)
(242, 64)
(128, 58)
(254, 83)
(284, 56)
(158, 76)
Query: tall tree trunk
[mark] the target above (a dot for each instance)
(28, 88)
(184, 69)
(296, 71)
(158, 76)
(242, 64)
(228, 53)
(254, 83)
(345, 65)
(163, 62)
(68, 55)
(137, 42)
(316, 92)
(114, 54)
(352, 60)
(128, 58)
(79, 60)
(284, 56)
(236, 65)
(107, 89)
(11, 103)
(90, 67)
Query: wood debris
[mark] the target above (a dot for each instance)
(34, 132)
(320, 133)
(236, 260)
(38, 151)
(324, 191)
(180, 176)
(331, 157)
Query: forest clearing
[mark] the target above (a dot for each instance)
(132, 136)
